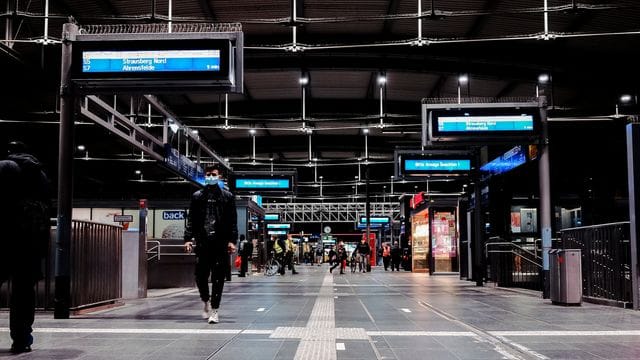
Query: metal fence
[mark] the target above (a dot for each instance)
(606, 260)
(96, 267)
(511, 265)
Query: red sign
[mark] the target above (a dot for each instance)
(416, 200)
(143, 203)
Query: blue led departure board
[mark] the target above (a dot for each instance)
(278, 184)
(143, 61)
(437, 165)
(272, 217)
(278, 226)
(485, 123)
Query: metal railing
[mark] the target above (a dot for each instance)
(96, 263)
(606, 260)
(96, 267)
(511, 265)
(157, 248)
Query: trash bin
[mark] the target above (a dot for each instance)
(565, 272)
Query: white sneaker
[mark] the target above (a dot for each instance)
(213, 319)
(207, 310)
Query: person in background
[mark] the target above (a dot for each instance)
(363, 250)
(341, 258)
(24, 220)
(319, 254)
(396, 256)
(333, 256)
(290, 249)
(386, 256)
(245, 250)
(211, 223)
(257, 256)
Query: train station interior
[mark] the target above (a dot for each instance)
(487, 152)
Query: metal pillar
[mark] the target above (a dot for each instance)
(545, 194)
(367, 201)
(478, 241)
(62, 297)
(633, 175)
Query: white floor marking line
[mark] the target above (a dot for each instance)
(406, 310)
(523, 348)
(340, 346)
(423, 333)
(568, 333)
(498, 345)
(367, 311)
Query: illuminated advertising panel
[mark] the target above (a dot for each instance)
(505, 162)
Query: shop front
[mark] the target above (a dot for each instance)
(435, 236)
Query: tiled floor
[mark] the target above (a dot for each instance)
(317, 315)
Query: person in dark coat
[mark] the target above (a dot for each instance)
(396, 257)
(25, 224)
(212, 223)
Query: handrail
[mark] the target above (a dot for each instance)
(486, 250)
(151, 249)
(157, 249)
(515, 253)
(596, 226)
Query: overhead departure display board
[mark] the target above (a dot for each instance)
(432, 163)
(152, 63)
(272, 217)
(278, 226)
(481, 123)
(258, 183)
(464, 124)
(375, 219)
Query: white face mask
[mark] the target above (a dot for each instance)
(214, 180)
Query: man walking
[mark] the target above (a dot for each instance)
(212, 224)
(24, 218)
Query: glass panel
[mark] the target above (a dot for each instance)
(445, 250)
(420, 241)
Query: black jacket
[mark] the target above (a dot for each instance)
(363, 248)
(212, 220)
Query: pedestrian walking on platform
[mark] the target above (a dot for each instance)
(24, 220)
(211, 223)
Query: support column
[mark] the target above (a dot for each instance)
(545, 194)
(633, 175)
(479, 269)
(62, 297)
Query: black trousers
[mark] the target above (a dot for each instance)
(22, 309)
(216, 267)
(244, 266)
(386, 260)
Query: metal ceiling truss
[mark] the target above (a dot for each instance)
(107, 116)
(331, 212)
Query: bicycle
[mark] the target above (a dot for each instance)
(271, 267)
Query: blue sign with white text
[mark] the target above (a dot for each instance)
(278, 226)
(507, 161)
(375, 219)
(499, 123)
(272, 217)
(436, 165)
(277, 184)
(121, 61)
